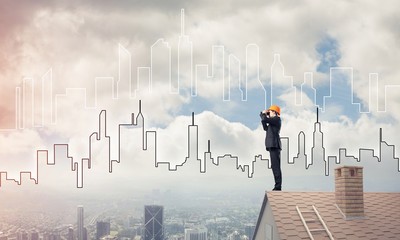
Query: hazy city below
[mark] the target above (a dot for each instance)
(27, 215)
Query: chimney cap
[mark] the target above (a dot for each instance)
(347, 166)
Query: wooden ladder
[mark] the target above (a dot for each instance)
(314, 217)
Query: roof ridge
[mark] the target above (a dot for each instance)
(320, 192)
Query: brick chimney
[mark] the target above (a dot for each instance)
(349, 192)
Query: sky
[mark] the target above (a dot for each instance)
(101, 55)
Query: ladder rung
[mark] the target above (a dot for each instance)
(311, 220)
(307, 212)
(317, 230)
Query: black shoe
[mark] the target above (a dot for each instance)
(276, 189)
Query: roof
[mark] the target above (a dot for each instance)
(381, 220)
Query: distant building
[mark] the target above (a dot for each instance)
(249, 230)
(51, 236)
(34, 235)
(234, 236)
(85, 234)
(347, 213)
(153, 223)
(80, 232)
(46, 236)
(108, 237)
(176, 237)
(102, 229)
(198, 233)
(70, 234)
(23, 235)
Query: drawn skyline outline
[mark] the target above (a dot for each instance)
(25, 104)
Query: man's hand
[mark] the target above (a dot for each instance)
(263, 113)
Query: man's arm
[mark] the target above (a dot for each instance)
(272, 121)
(264, 123)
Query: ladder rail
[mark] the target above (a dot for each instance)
(323, 223)
(309, 231)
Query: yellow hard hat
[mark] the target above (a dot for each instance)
(276, 109)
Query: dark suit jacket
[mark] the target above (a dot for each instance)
(273, 127)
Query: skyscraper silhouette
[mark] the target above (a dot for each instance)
(318, 150)
(153, 222)
(80, 223)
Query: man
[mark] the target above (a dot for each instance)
(272, 125)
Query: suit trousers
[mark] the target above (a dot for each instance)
(275, 155)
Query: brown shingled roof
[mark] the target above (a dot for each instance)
(381, 221)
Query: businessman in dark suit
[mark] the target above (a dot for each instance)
(271, 123)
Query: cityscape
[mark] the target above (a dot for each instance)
(129, 219)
